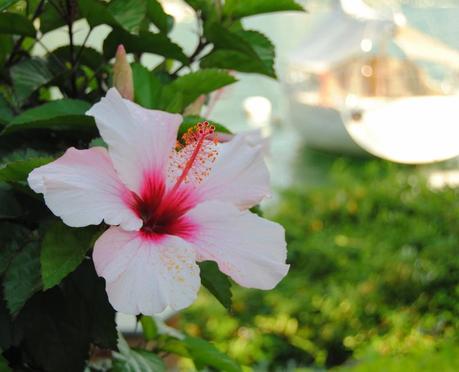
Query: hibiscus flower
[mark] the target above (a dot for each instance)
(170, 204)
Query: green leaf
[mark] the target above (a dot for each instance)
(131, 360)
(203, 354)
(245, 8)
(149, 327)
(194, 84)
(223, 38)
(4, 4)
(85, 286)
(22, 154)
(3, 364)
(65, 114)
(206, 7)
(16, 24)
(7, 334)
(62, 250)
(6, 46)
(17, 171)
(7, 253)
(12, 238)
(97, 13)
(263, 47)
(128, 13)
(175, 96)
(156, 14)
(28, 76)
(87, 57)
(147, 87)
(192, 120)
(51, 18)
(199, 4)
(236, 60)
(171, 101)
(22, 278)
(5, 110)
(216, 282)
(59, 325)
(145, 42)
(9, 207)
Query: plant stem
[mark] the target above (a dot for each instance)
(80, 51)
(201, 45)
(72, 48)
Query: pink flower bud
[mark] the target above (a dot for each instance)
(122, 74)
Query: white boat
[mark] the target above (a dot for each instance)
(363, 81)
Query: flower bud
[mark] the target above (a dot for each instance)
(122, 74)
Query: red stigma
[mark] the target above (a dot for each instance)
(196, 153)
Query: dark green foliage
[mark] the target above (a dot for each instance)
(4, 4)
(145, 42)
(28, 76)
(128, 13)
(11, 23)
(62, 250)
(202, 82)
(240, 50)
(176, 95)
(54, 311)
(66, 114)
(10, 208)
(22, 278)
(5, 110)
(18, 170)
(3, 364)
(12, 238)
(88, 57)
(58, 325)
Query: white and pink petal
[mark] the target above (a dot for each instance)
(139, 140)
(239, 175)
(249, 249)
(83, 189)
(145, 275)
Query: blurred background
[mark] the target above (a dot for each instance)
(373, 243)
(361, 136)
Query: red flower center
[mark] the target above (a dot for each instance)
(163, 211)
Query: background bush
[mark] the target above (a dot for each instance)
(374, 272)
